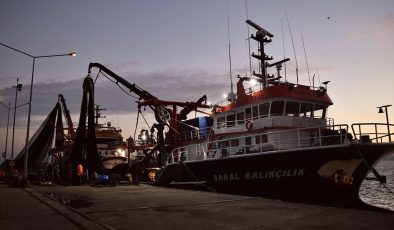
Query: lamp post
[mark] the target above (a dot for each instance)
(18, 87)
(8, 122)
(72, 54)
(387, 118)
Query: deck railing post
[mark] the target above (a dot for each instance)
(320, 137)
(359, 130)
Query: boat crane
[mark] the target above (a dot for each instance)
(166, 112)
(66, 112)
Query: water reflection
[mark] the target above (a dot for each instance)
(376, 194)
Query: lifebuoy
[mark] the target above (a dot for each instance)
(249, 125)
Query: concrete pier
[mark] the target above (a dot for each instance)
(151, 207)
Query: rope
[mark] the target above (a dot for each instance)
(136, 123)
(195, 178)
(144, 119)
(373, 171)
(118, 85)
(191, 126)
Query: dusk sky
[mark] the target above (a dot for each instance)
(178, 50)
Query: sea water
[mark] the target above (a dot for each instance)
(376, 194)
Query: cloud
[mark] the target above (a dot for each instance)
(169, 84)
(378, 31)
(386, 28)
(125, 66)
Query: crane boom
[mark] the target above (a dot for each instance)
(132, 87)
(67, 115)
(148, 99)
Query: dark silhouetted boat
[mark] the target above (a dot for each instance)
(276, 141)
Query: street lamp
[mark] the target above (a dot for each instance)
(72, 54)
(8, 122)
(18, 87)
(387, 118)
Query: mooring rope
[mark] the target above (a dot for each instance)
(376, 174)
(136, 123)
(195, 178)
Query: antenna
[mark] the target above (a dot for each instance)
(284, 50)
(292, 41)
(229, 48)
(313, 81)
(318, 75)
(250, 58)
(307, 66)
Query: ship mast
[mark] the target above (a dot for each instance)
(263, 37)
(98, 114)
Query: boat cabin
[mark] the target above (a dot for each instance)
(278, 115)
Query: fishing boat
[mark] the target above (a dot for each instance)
(275, 141)
(111, 148)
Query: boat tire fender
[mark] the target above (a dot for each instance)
(249, 125)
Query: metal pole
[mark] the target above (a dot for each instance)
(388, 124)
(6, 135)
(28, 121)
(13, 125)
(72, 54)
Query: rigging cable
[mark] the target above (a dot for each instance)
(136, 123)
(190, 126)
(145, 119)
(284, 50)
(292, 41)
(307, 66)
(247, 26)
(119, 86)
(229, 47)
(97, 77)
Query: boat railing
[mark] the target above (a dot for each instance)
(273, 121)
(329, 121)
(194, 134)
(276, 140)
(373, 132)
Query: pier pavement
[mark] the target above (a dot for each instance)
(151, 207)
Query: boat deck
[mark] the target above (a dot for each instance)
(151, 207)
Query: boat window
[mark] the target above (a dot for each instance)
(258, 140)
(231, 120)
(241, 118)
(255, 112)
(223, 144)
(277, 108)
(306, 110)
(320, 111)
(264, 109)
(264, 138)
(248, 140)
(234, 143)
(248, 113)
(221, 122)
(292, 108)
